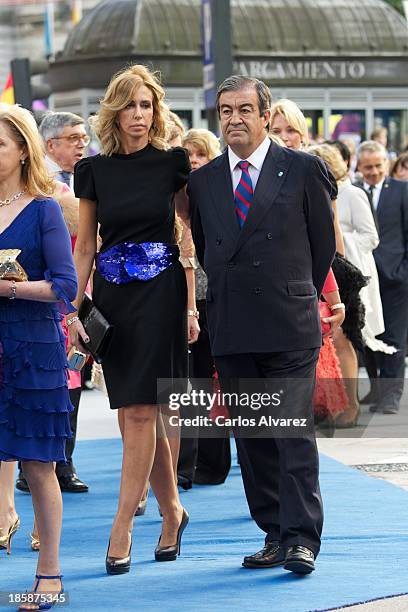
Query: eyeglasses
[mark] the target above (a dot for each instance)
(75, 139)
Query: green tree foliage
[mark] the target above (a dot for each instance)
(397, 4)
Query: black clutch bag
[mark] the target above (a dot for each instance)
(97, 327)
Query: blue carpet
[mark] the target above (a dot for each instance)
(364, 554)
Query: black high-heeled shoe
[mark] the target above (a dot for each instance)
(170, 553)
(118, 565)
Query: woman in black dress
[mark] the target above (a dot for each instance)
(140, 287)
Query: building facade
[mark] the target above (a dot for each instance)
(344, 63)
(22, 29)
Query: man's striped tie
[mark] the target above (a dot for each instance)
(244, 193)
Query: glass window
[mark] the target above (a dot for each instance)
(204, 119)
(347, 124)
(186, 116)
(314, 120)
(396, 122)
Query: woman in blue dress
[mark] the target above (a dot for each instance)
(34, 399)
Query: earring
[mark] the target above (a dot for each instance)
(22, 162)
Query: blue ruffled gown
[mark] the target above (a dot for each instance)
(34, 399)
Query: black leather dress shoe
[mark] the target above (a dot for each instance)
(21, 483)
(300, 560)
(72, 484)
(271, 555)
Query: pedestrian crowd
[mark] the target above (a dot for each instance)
(208, 264)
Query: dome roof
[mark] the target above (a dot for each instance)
(166, 34)
(318, 27)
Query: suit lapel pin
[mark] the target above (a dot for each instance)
(280, 173)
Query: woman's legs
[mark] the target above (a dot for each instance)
(121, 422)
(47, 503)
(164, 486)
(173, 437)
(142, 458)
(8, 514)
(35, 538)
(138, 428)
(349, 367)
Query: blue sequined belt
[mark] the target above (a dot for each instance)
(129, 261)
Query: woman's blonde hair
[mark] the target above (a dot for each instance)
(204, 141)
(290, 111)
(23, 130)
(332, 156)
(175, 127)
(119, 93)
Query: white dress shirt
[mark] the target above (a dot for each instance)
(376, 192)
(256, 160)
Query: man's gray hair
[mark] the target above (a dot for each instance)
(371, 146)
(53, 124)
(237, 82)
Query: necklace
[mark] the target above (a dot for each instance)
(13, 198)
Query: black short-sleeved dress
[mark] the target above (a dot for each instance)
(135, 203)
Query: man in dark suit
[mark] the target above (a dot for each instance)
(389, 203)
(263, 230)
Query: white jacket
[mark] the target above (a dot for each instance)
(360, 239)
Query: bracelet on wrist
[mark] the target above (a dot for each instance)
(338, 306)
(71, 320)
(193, 313)
(13, 290)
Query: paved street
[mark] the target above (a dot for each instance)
(379, 445)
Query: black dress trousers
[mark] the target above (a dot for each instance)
(394, 298)
(68, 468)
(280, 475)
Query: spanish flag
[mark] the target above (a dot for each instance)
(7, 95)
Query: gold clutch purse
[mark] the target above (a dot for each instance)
(10, 269)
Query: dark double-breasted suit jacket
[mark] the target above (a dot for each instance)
(391, 216)
(264, 279)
